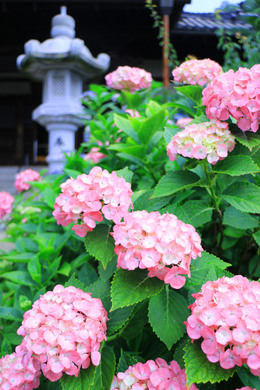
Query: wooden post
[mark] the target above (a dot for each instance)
(166, 35)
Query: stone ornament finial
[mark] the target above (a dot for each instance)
(63, 24)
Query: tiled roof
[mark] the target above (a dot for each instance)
(208, 23)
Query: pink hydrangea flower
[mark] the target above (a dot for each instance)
(94, 155)
(6, 201)
(235, 94)
(129, 79)
(197, 72)
(211, 140)
(226, 314)
(152, 375)
(20, 370)
(182, 122)
(133, 113)
(246, 388)
(23, 177)
(64, 330)
(85, 200)
(160, 243)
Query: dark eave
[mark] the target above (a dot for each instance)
(208, 23)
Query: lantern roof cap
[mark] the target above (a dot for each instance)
(61, 51)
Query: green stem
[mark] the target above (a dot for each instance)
(217, 214)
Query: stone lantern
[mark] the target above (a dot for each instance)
(63, 63)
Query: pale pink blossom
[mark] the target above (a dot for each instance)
(160, 243)
(22, 179)
(152, 375)
(94, 155)
(6, 201)
(226, 315)
(63, 331)
(198, 72)
(211, 140)
(128, 78)
(20, 370)
(235, 94)
(182, 122)
(85, 200)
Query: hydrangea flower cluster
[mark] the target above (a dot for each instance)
(211, 140)
(226, 314)
(182, 122)
(198, 72)
(64, 330)
(94, 155)
(83, 200)
(128, 78)
(235, 94)
(152, 375)
(19, 370)
(23, 177)
(6, 201)
(160, 243)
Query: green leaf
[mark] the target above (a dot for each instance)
(193, 92)
(18, 257)
(10, 313)
(201, 267)
(72, 173)
(248, 139)
(50, 196)
(182, 107)
(20, 277)
(169, 132)
(11, 334)
(177, 210)
(129, 287)
(167, 312)
(145, 202)
(133, 100)
(83, 381)
(118, 318)
(138, 320)
(175, 181)
(125, 125)
(256, 236)
(238, 219)
(26, 244)
(34, 269)
(134, 159)
(125, 173)
(198, 211)
(178, 353)
(243, 196)
(135, 150)
(105, 370)
(125, 361)
(236, 166)
(73, 281)
(247, 378)
(6, 347)
(150, 126)
(100, 244)
(199, 369)
(51, 271)
(100, 289)
(65, 269)
(106, 274)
